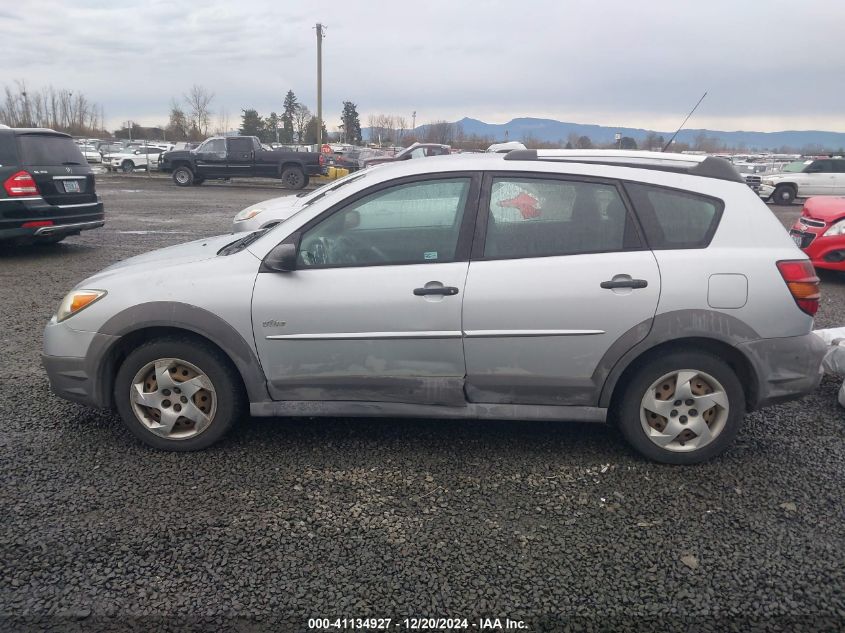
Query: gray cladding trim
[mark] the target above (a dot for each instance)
(193, 319)
(669, 326)
(315, 408)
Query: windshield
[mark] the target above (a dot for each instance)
(797, 166)
(49, 149)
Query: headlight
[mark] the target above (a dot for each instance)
(838, 228)
(77, 300)
(248, 214)
(768, 181)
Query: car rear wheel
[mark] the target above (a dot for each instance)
(178, 395)
(682, 408)
(183, 176)
(783, 194)
(127, 167)
(294, 178)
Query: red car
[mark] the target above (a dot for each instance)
(820, 232)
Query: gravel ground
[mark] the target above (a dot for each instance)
(558, 525)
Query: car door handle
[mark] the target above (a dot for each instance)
(624, 283)
(441, 290)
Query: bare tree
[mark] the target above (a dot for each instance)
(440, 132)
(301, 117)
(401, 127)
(50, 108)
(198, 100)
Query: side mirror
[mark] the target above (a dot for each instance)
(282, 258)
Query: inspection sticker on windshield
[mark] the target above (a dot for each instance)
(430, 255)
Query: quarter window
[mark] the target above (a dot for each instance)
(675, 219)
(539, 218)
(415, 223)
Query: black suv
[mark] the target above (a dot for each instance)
(46, 187)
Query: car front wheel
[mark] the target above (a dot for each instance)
(783, 194)
(183, 176)
(127, 167)
(178, 394)
(682, 408)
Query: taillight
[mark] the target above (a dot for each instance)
(801, 279)
(20, 184)
(322, 160)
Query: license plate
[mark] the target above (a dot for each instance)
(71, 186)
(797, 239)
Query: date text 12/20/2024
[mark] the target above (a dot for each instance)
(416, 624)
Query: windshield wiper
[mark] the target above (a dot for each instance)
(238, 245)
(70, 162)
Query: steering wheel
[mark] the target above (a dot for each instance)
(348, 249)
(318, 255)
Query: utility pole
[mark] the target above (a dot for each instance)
(320, 36)
(414, 120)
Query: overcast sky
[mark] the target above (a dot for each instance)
(767, 64)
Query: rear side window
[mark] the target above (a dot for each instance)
(530, 217)
(8, 156)
(48, 150)
(675, 219)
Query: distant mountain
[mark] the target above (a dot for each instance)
(553, 131)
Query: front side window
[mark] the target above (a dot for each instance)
(214, 146)
(530, 217)
(675, 219)
(413, 223)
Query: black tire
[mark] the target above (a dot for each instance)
(294, 178)
(231, 401)
(127, 167)
(628, 413)
(183, 176)
(783, 194)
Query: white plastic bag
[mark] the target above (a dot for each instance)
(834, 360)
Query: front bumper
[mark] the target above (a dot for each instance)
(824, 252)
(787, 368)
(73, 360)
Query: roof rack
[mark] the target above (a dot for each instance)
(692, 164)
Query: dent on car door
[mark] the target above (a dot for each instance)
(559, 281)
(373, 310)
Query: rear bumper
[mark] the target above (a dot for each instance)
(787, 368)
(66, 219)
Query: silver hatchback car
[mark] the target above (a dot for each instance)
(653, 291)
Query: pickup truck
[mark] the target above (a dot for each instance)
(221, 158)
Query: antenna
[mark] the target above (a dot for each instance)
(684, 123)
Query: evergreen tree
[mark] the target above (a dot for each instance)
(311, 132)
(271, 127)
(251, 124)
(351, 123)
(288, 116)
